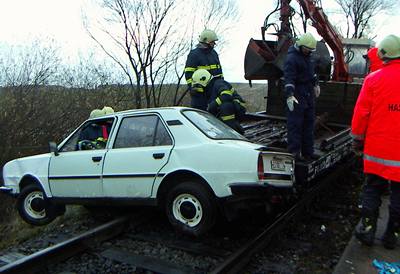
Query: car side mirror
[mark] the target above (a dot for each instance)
(53, 148)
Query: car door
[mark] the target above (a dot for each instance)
(76, 170)
(141, 148)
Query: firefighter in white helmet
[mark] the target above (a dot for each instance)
(95, 134)
(301, 89)
(376, 134)
(225, 103)
(202, 57)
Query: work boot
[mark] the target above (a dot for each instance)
(391, 235)
(365, 230)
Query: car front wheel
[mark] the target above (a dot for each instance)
(191, 208)
(34, 208)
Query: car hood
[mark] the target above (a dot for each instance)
(32, 164)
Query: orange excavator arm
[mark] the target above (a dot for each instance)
(328, 33)
(264, 59)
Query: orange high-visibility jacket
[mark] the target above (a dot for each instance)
(376, 121)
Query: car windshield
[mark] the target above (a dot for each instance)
(211, 126)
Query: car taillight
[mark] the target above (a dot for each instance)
(260, 167)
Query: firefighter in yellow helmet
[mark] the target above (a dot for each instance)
(225, 103)
(202, 57)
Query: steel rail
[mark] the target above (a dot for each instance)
(238, 260)
(64, 250)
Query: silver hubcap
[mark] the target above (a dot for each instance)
(187, 209)
(28, 205)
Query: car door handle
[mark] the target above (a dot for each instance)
(158, 155)
(96, 158)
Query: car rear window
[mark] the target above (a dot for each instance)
(211, 126)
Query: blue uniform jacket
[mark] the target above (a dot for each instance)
(299, 74)
(202, 58)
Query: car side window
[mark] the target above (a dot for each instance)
(91, 135)
(142, 131)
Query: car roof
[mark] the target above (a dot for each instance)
(145, 110)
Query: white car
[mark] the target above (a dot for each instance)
(181, 159)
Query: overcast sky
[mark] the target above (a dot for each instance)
(23, 20)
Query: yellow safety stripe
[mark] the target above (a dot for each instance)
(228, 92)
(190, 69)
(219, 75)
(101, 139)
(189, 81)
(198, 89)
(240, 102)
(219, 102)
(228, 117)
(209, 67)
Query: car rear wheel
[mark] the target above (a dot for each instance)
(191, 208)
(34, 208)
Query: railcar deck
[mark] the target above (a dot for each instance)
(332, 142)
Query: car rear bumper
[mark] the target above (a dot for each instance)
(248, 196)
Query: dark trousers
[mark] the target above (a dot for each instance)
(228, 109)
(300, 126)
(373, 188)
(198, 100)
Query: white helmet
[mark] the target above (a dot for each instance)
(107, 110)
(201, 77)
(308, 41)
(208, 36)
(389, 47)
(96, 113)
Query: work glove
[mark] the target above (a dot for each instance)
(317, 91)
(290, 101)
(357, 147)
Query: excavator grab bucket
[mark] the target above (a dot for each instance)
(259, 61)
(263, 61)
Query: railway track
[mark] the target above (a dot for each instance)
(59, 252)
(148, 245)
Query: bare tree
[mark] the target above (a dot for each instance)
(31, 65)
(139, 34)
(88, 72)
(360, 14)
(149, 40)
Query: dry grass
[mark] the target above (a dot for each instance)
(254, 96)
(16, 231)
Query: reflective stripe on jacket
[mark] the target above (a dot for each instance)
(376, 121)
(202, 58)
(222, 92)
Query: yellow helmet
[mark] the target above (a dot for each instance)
(96, 113)
(208, 36)
(389, 47)
(201, 77)
(107, 110)
(307, 40)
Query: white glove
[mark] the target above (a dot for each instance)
(317, 91)
(290, 101)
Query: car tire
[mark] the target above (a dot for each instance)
(34, 208)
(191, 208)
